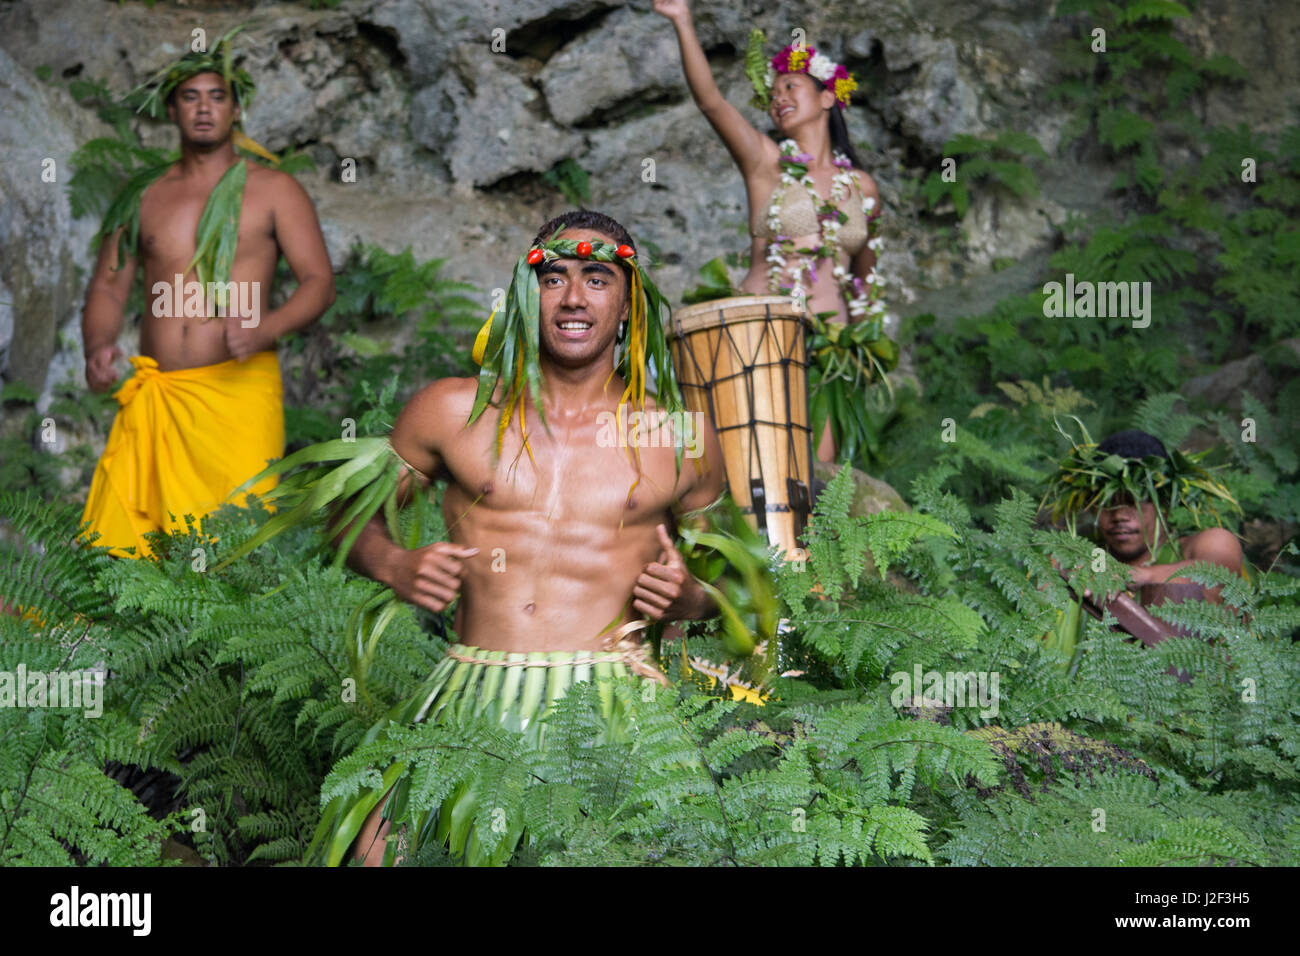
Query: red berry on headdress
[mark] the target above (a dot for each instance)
(584, 249)
(534, 257)
(625, 252)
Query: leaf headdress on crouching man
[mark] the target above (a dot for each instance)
(218, 229)
(1088, 479)
(1182, 490)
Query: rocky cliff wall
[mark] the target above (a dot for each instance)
(449, 137)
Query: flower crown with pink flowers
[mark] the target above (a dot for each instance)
(795, 59)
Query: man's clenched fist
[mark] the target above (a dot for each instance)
(665, 590)
(100, 373)
(430, 576)
(243, 342)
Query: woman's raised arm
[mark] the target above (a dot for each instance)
(748, 147)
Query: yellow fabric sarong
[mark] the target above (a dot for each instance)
(182, 441)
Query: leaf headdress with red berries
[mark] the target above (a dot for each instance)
(508, 350)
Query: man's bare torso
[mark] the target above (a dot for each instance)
(169, 217)
(561, 542)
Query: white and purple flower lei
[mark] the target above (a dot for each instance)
(782, 256)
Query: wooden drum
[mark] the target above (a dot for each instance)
(1171, 592)
(743, 361)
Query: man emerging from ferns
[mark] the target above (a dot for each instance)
(1136, 536)
(559, 543)
(1132, 483)
(202, 411)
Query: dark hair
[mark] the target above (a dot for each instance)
(585, 219)
(588, 219)
(840, 131)
(1133, 443)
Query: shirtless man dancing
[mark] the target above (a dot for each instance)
(203, 410)
(545, 557)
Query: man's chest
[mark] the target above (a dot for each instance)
(170, 215)
(572, 475)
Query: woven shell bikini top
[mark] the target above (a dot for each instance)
(799, 218)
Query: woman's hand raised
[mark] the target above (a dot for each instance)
(674, 10)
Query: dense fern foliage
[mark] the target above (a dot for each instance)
(245, 673)
(238, 682)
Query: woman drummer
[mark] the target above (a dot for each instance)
(812, 211)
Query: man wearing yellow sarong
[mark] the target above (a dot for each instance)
(181, 442)
(202, 412)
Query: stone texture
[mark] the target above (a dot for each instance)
(1266, 39)
(6, 323)
(448, 136)
(1224, 387)
(488, 122)
(870, 495)
(940, 102)
(694, 201)
(628, 57)
(44, 252)
(429, 31)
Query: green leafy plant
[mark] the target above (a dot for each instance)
(716, 284)
(430, 316)
(845, 362)
(573, 182)
(756, 67)
(996, 161)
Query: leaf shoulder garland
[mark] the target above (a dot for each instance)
(216, 237)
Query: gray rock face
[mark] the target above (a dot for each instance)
(429, 31)
(420, 30)
(487, 121)
(1225, 386)
(630, 55)
(41, 245)
(439, 126)
(870, 495)
(941, 102)
(6, 323)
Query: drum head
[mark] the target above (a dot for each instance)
(741, 308)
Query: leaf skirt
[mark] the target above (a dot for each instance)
(510, 690)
